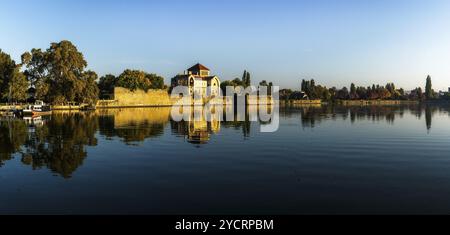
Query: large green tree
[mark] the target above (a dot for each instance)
(67, 65)
(106, 85)
(7, 66)
(157, 82)
(58, 74)
(13, 84)
(91, 91)
(18, 87)
(36, 64)
(133, 80)
(234, 83)
(37, 72)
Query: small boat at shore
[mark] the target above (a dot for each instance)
(39, 108)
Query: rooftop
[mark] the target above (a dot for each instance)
(198, 67)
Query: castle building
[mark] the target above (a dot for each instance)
(198, 79)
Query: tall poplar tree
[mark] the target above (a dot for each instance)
(428, 88)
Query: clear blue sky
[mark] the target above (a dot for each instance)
(333, 41)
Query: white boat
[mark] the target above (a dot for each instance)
(38, 108)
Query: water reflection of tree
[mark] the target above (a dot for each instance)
(429, 110)
(313, 115)
(416, 110)
(106, 126)
(60, 144)
(428, 117)
(375, 113)
(13, 135)
(242, 124)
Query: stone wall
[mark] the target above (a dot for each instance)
(139, 98)
(305, 101)
(11, 107)
(155, 98)
(255, 100)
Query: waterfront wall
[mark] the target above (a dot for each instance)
(301, 102)
(255, 100)
(10, 107)
(153, 98)
(375, 102)
(67, 107)
(126, 98)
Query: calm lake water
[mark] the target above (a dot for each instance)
(376, 159)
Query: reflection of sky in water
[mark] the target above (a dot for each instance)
(322, 159)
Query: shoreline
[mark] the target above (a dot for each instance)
(7, 108)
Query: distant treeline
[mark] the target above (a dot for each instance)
(309, 89)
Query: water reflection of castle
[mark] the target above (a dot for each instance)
(197, 129)
(136, 125)
(311, 115)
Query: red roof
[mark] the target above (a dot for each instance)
(198, 67)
